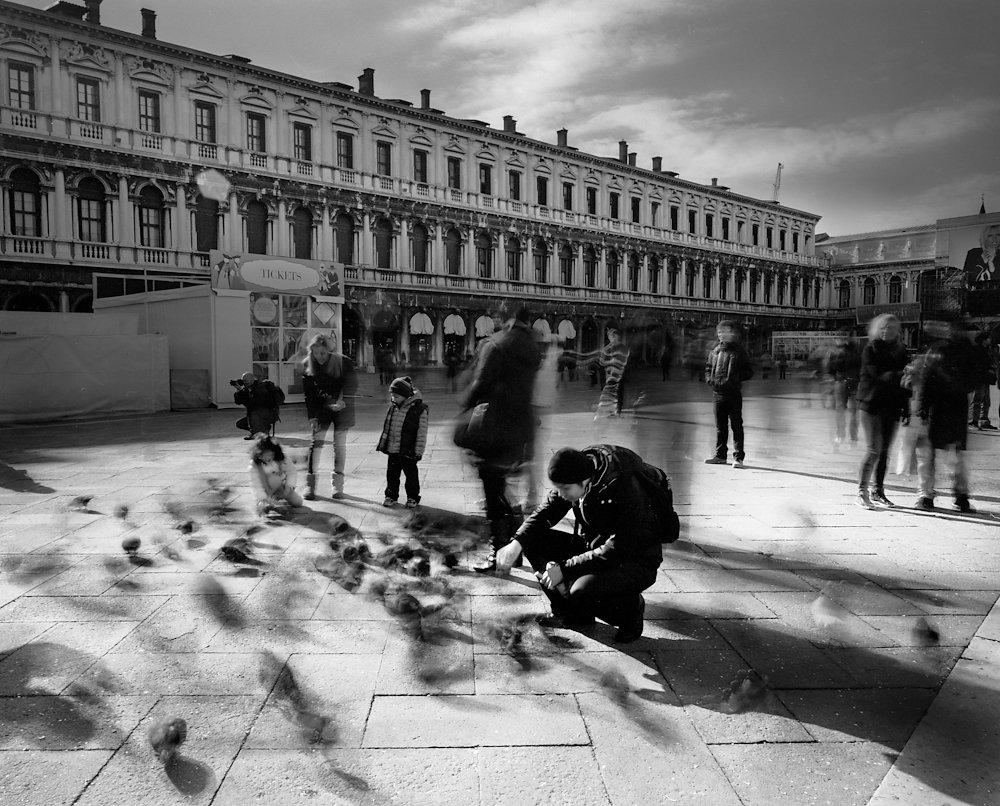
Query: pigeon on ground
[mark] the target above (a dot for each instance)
(121, 511)
(237, 550)
(81, 503)
(924, 634)
(131, 545)
(746, 690)
(166, 736)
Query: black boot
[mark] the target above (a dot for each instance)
(500, 535)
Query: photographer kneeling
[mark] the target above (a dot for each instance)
(263, 402)
(614, 552)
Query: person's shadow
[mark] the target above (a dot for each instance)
(19, 481)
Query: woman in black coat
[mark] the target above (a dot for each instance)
(330, 385)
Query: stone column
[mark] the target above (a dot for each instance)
(126, 216)
(234, 231)
(404, 334)
(325, 235)
(366, 251)
(281, 237)
(181, 233)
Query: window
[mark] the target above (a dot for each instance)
(868, 292)
(755, 234)
(795, 242)
(689, 279)
(383, 158)
(486, 180)
(420, 241)
(816, 289)
(612, 264)
(589, 267)
(654, 274)
(344, 226)
(725, 229)
(25, 203)
(420, 166)
(591, 201)
(257, 228)
(302, 146)
(21, 84)
(206, 224)
(514, 185)
(709, 225)
(723, 284)
(567, 196)
(793, 292)
(633, 271)
(513, 249)
(345, 150)
(92, 211)
(151, 218)
(454, 173)
(613, 203)
(382, 231)
(706, 282)
(654, 214)
(88, 99)
(675, 214)
(149, 111)
(636, 204)
(484, 255)
(540, 255)
(672, 274)
(693, 222)
(781, 240)
(769, 237)
(738, 287)
(739, 231)
(768, 285)
(453, 252)
(302, 232)
(781, 290)
(895, 289)
(844, 294)
(566, 264)
(204, 122)
(753, 286)
(542, 191)
(255, 132)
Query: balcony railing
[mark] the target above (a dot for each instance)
(304, 168)
(23, 245)
(23, 120)
(91, 131)
(208, 151)
(258, 160)
(152, 142)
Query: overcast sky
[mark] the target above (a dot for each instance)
(884, 113)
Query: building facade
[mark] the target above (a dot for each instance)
(125, 160)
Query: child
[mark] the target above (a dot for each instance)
(728, 367)
(404, 437)
(272, 475)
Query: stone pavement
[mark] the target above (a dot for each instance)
(874, 633)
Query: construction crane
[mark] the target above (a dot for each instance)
(777, 183)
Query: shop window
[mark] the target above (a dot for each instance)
(149, 111)
(453, 252)
(256, 219)
(88, 99)
(345, 150)
(152, 218)
(512, 248)
(25, 197)
(419, 240)
(484, 255)
(206, 224)
(278, 336)
(302, 233)
(382, 232)
(92, 208)
(344, 241)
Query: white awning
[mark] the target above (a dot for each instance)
(566, 329)
(484, 326)
(454, 325)
(542, 327)
(421, 325)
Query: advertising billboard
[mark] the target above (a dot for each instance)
(283, 275)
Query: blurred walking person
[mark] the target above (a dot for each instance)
(843, 367)
(882, 401)
(984, 376)
(727, 368)
(330, 385)
(614, 361)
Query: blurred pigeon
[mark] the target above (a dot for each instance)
(131, 545)
(826, 612)
(187, 527)
(924, 634)
(746, 690)
(615, 685)
(121, 511)
(237, 550)
(166, 736)
(339, 527)
(291, 700)
(224, 608)
(81, 503)
(509, 633)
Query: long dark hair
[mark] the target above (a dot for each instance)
(263, 444)
(309, 363)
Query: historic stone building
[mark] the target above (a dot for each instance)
(124, 160)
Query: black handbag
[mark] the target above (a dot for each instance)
(474, 431)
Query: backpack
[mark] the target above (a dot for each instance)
(657, 485)
(275, 393)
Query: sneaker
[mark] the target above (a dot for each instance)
(962, 504)
(632, 630)
(716, 460)
(878, 497)
(863, 500)
(738, 463)
(986, 426)
(389, 502)
(925, 503)
(310, 493)
(411, 503)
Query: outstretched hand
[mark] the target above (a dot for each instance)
(507, 556)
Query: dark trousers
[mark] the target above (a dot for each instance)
(879, 429)
(729, 409)
(257, 421)
(402, 464)
(611, 595)
(494, 479)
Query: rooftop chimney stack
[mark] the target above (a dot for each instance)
(425, 99)
(148, 23)
(366, 82)
(94, 11)
(631, 158)
(509, 124)
(658, 164)
(715, 181)
(561, 137)
(623, 151)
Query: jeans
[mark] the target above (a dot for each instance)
(925, 470)
(729, 409)
(402, 464)
(979, 411)
(316, 441)
(879, 428)
(611, 595)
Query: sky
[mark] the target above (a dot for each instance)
(884, 113)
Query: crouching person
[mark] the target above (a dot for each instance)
(601, 569)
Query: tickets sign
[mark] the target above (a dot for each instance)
(282, 275)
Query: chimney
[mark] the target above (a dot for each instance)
(148, 23)
(509, 124)
(94, 11)
(715, 181)
(425, 99)
(623, 151)
(657, 164)
(366, 82)
(561, 137)
(631, 158)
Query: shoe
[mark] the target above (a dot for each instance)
(564, 621)
(863, 500)
(389, 503)
(248, 436)
(986, 426)
(489, 565)
(310, 493)
(962, 504)
(878, 497)
(632, 630)
(973, 422)
(924, 503)
(738, 464)
(716, 460)
(412, 503)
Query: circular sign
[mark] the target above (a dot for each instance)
(265, 310)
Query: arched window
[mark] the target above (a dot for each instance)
(753, 285)
(868, 292)
(895, 289)
(768, 286)
(654, 274)
(152, 217)
(512, 248)
(611, 260)
(793, 292)
(343, 226)
(673, 272)
(206, 224)
(453, 251)
(92, 211)
(706, 280)
(633, 271)
(566, 264)
(302, 233)
(589, 267)
(690, 277)
(540, 256)
(382, 232)
(484, 255)
(844, 294)
(816, 290)
(723, 282)
(25, 203)
(419, 240)
(741, 277)
(781, 289)
(256, 228)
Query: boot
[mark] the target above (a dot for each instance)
(337, 481)
(500, 534)
(310, 493)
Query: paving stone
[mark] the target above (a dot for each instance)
(182, 582)
(80, 608)
(480, 721)
(964, 602)
(301, 635)
(182, 673)
(873, 715)
(541, 775)
(720, 605)
(911, 631)
(903, 667)
(44, 667)
(815, 617)
(70, 722)
(737, 580)
(442, 665)
(27, 778)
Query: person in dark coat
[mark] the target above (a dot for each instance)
(330, 386)
(504, 378)
(984, 376)
(941, 399)
(727, 368)
(882, 401)
(601, 569)
(263, 403)
(404, 439)
(844, 368)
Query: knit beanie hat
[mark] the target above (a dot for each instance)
(570, 466)
(402, 386)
